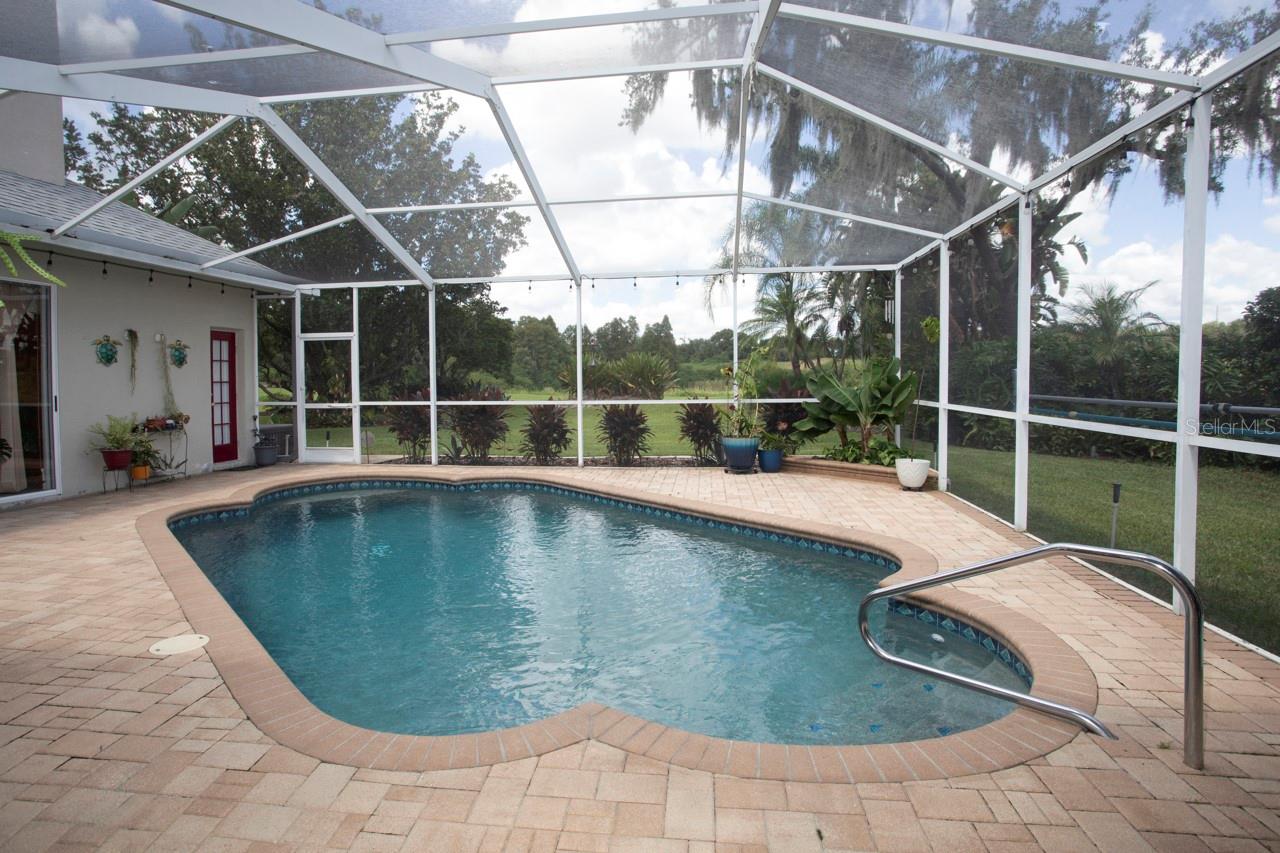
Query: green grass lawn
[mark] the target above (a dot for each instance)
(1069, 499)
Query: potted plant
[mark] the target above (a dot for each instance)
(740, 420)
(145, 458)
(115, 440)
(775, 445)
(265, 452)
(913, 472)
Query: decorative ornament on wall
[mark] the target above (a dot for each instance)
(131, 335)
(107, 349)
(178, 353)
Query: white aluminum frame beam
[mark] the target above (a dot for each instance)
(22, 75)
(144, 62)
(616, 71)
(531, 179)
(311, 27)
(1022, 372)
(890, 127)
(575, 22)
(853, 217)
(296, 146)
(144, 176)
(485, 205)
(1194, 235)
(991, 47)
(1218, 76)
(765, 10)
(279, 241)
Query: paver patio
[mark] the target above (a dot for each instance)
(105, 745)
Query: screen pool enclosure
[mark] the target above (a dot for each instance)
(856, 137)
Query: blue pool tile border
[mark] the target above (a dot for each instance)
(950, 624)
(964, 631)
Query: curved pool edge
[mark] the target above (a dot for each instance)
(275, 705)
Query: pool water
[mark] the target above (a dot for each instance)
(450, 611)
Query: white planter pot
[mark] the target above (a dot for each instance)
(912, 472)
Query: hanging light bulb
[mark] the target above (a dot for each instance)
(188, 281)
(633, 281)
(49, 263)
(223, 290)
(677, 279)
(104, 269)
(593, 284)
(151, 276)
(531, 285)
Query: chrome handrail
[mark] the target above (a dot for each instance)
(1193, 657)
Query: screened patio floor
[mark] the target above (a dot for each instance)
(102, 744)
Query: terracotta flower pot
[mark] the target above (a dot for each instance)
(140, 472)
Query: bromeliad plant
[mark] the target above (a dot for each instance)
(875, 405)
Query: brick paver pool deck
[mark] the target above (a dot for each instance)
(103, 745)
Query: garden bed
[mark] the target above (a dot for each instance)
(854, 470)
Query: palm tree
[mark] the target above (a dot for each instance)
(1108, 319)
(789, 312)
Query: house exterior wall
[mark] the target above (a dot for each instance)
(91, 306)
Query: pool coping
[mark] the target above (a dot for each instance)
(275, 705)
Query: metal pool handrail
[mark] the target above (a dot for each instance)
(1193, 656)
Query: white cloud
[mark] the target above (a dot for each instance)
(86, 28)
(1236, 270)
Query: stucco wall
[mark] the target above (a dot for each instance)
(91, 306)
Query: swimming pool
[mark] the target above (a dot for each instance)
(451, 609)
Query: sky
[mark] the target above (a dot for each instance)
(578, 149)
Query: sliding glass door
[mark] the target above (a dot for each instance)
(26, 390)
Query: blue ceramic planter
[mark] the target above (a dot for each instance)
(770, 461)
(740, 453)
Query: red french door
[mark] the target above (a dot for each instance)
(222, 372)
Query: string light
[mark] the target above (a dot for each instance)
(223, 290)
(593, 284)
(633, 281)
(49, 263)
(188, 281)
(531, 285)
(151, 276)
(677, 279)
(104, 269)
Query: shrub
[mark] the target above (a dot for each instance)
(599, 381)
(411, 425)
(780, 419)
(644, 375)
(478, 428)
(879, 451)
(546, 434)
(625, 431)
(700, 426)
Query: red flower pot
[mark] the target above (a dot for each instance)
(117, 460)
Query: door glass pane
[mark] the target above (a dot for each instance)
(26, 398)
(327, 366)
(328, 428)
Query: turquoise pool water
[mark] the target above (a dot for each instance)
(449, 611)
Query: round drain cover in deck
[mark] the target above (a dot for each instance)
(179, 644)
